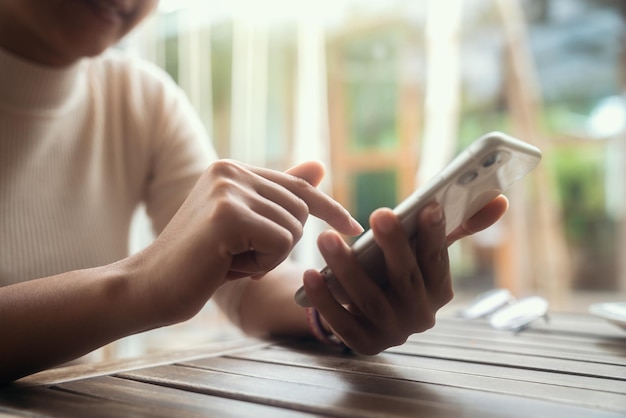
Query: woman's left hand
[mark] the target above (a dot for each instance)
(418, 274)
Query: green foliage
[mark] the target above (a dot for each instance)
(373, 116)
(373, 190)
(221, 63)
(475, 123)
(580, 179)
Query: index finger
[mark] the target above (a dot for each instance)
(320, 204)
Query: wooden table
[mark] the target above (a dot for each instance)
(572, 366)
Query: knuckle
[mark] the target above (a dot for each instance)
(283, 241)
(439, 256)
(397, 335)
(398, 340)
(447, 294)
(443, 255)
(297, 233)
(426, 322)
(301, 210)
(224, 168)
(301, 184)
(223, 187)
(225, 206)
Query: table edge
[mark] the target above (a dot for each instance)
(87, 370)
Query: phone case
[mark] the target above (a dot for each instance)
(484, 170)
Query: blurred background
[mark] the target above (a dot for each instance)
(387, 92)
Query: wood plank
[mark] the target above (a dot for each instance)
(578, 326)
(550, 386)
(542, 333)
(382, 364)
(569, 368)
(521, 346)
(605, 353)
(606, 342)
(82, 371)
(338, 400)
(522, 361)
(171, 401)
(39, 401)
(468, 393)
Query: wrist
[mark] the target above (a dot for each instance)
(149, 292)
(138, 299)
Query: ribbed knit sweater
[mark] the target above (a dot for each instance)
(80, 148)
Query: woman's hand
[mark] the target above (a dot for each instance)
(418, 274)
(238, 221)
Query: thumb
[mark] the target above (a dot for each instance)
(311, 171)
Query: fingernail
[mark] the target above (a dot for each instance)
(436, 214)
(356, 225)
(310, 278)
(384, 224)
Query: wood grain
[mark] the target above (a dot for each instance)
(573, 366)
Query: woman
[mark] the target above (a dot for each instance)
(87, 134)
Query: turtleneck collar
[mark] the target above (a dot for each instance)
(32, 88)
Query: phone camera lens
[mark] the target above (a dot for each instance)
(491, 159)
(468, 177)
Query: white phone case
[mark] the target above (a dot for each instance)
(475, 177)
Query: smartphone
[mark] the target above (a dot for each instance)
(481, 172)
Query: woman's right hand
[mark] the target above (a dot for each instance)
(238, 221)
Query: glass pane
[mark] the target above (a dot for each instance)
(372, 115)
(280, 95)
(372, 190)
(371, 68)
(221, 82)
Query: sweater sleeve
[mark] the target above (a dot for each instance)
(180, 148)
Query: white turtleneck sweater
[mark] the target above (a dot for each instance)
(80, 148)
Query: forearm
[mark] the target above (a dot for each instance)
(49, 321)
(266, 306)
